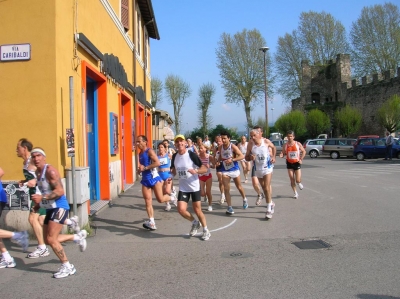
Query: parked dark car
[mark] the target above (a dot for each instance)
(374, 148)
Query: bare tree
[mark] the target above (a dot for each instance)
(206, 92)
(322, 35)
(288, 59)
(156, 91)
(375, 38)
(178, 91)
(318, 38)
(241, 66)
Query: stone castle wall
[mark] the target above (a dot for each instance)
(330, 85)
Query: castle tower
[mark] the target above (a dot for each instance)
(343, 70)
(306, 82)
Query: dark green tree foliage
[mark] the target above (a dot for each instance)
(317, 122)
(389, 114)
(375, 39)
(348, 120)
(220, 128)
(294, 121)
(241, 67)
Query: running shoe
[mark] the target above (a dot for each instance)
(300, 186)
(230, 211)
(258, 201)
(149, 225)
(195, 227)
(75, 224)
(82, 241)
(245, 181)
(205, 199)
(296, 195)
(38, 252)
(206, 235)
(22, 238)
(209, 208)
(64, 271)
(270, 213)
(7, 264)
(174, 200)
(222, 199)
(167, 207)
(245, 204)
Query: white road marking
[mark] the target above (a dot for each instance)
(217, 229)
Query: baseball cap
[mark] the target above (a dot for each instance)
(179, 136)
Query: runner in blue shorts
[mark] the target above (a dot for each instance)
(151, 180)
(164, 171)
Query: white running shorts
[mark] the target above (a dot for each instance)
(232, 174)
(261, 173)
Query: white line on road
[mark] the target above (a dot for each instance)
(217, 229)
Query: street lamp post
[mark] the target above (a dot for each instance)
(272, 120)
(265, 49)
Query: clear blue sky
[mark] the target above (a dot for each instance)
(190, 31)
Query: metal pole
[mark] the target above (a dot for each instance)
(265, 49)
(71, 119)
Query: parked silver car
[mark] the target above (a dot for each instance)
(313, 147)
(278, 145)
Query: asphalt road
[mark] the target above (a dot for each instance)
(351, 206)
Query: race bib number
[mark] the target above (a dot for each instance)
(293, 155)
(182, 173)
(163, 161)
(228, 165)
(48, 204)
(260, 158)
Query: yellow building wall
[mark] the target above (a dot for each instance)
(36, 92)
(27, 91)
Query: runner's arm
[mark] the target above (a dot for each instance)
(173, 170)
(302, 151)
(249, 156)
(273, 148)
(283, 152)
(238, 154)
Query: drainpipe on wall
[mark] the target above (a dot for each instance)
(71, 109)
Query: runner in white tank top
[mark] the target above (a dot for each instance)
(229, 157)
(259, 154)
(246, 165)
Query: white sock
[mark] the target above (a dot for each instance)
(152, 220)
(41, 246)
(205, 229)
(76, 237)
(194, 221)
(67, 264)
(269, 207)
(7, 256)
(245, 199)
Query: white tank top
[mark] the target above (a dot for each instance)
(262, 157)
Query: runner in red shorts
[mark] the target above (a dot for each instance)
(206, 178)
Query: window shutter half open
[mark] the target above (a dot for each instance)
(125, 13)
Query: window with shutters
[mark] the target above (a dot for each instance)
(125, 14)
